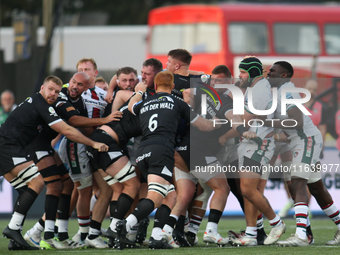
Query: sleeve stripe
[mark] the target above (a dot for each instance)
(194, 119)
(54, 122)
(227, 111)
(290, 107)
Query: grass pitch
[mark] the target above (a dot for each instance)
(323, 230)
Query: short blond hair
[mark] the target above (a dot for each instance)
(84, 60)
(54, 79)
(100, 79)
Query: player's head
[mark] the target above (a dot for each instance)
(279, 73)
(7, 100)
(250, 68)
(164, 82)
(127, 78)
(88, 66)
(220, 75)
(312, 86)
(101, 83)
(150, 68)
(178, 59)
(51, 88)
(77, 85)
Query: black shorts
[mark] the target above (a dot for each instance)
(102, 160)
(40, 148)
(156, 159)
(183, 148)
(12, 155)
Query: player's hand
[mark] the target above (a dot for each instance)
(109, 97)
(141, 86)
(114, 116)
(249, 134)
(101, 147)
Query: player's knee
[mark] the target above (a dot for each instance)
(171, 198)
(54, 188)
(201, 201)
(246, 190)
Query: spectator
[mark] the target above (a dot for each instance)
(7, 104)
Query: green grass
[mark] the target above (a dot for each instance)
(323, 230)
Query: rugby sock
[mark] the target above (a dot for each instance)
(251, 232)
(49, 229)
(16, 220)
(333, 213)
(156, 233)
(259, 222)
(94, 230)
(308, 221)
(25, 201)
(51, 206)
(92, 203)
(113, 208)
(38, 228)
(194, 224)
(170, 224)
(63, 216)
(124, 203)
(186, 222)
(62, 229)
(276, 221)
(301, 211)
(161, 216)
(180, 224)
(84, 226)
(143, 210)
(213, 219)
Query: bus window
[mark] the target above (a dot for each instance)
(295, 38)
(248, 38)
(196, 38)
(332, 38)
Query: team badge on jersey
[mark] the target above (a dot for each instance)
(52, 111)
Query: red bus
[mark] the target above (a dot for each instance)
(308, 36)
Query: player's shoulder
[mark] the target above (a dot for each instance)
(100, 92)
(263, 83)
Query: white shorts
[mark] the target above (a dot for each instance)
(205, 173)
(179, 174)
(228, 154)
(74, 157)
(281, 148)
(261, 153)
(306, 153)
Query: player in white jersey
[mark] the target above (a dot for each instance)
(254, 154)
(306, 143)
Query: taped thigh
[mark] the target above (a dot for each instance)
(126, 173)
(110, 180)
(159, 188)
(25, 176)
